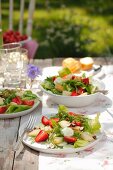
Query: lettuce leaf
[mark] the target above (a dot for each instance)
(65, 71)
(95, 124)
(17, 108)
(92, 125)
(80, 143)
(29, 94)
(48, 84)
(62, 108)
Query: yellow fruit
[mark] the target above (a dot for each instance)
(72, 64)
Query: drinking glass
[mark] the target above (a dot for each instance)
(12, 64)
(24, 56)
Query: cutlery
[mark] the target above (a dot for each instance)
(29, 126)
(97, 69)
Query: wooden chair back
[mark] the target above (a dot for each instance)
(31, 10)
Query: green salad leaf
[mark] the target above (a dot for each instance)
(80, 143)
(65, 71)
(29, 95)
(95, 124)
(48, 84)
(17, 108)
(62, 108)
(92, 125)
(56, 128)
(9, 98)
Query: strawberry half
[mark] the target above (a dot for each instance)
(78, 123)
(70, 139)
(74, 93)
(80, 90)
(72, 114)
(28, 102)
(42, 136)
(45, 120)
(17, 100)
(85, 81)
(3, 109)
(54, 119)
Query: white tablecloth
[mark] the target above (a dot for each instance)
(98, 157)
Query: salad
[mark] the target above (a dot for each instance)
(66, 129)
(16, 100)
(68, 84)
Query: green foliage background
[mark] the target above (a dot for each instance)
(65, 28)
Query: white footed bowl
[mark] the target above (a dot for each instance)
(76, 101)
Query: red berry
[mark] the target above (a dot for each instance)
(74, 93)
(70, 139)
(78, 123)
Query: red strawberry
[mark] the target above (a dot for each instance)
(28, 102)
(78, 123)
(18, 38)
(70, 139)
(72, 114)
(85, 81)
(42, 136)
(73, 77)
(13, 36)
(54, 119)
(45, 120)
(24, 37)
(16, 33)
(3, 109)
(17, 100)
(10, 32)
(80, 90)
(74, 93)
(54, 78)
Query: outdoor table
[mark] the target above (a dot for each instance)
(98, 158)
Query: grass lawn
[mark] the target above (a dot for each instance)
(98, 15)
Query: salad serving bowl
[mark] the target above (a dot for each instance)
(74, 101)
(71, 90)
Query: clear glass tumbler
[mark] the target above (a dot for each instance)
(12, 64)
(24, 56)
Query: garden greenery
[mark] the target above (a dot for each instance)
(66, 39)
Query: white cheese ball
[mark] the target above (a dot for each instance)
(1, 100)
(67, 131)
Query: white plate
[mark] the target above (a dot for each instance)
(44, 147)
(13, 115)
(100, 105)
(22, 113)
